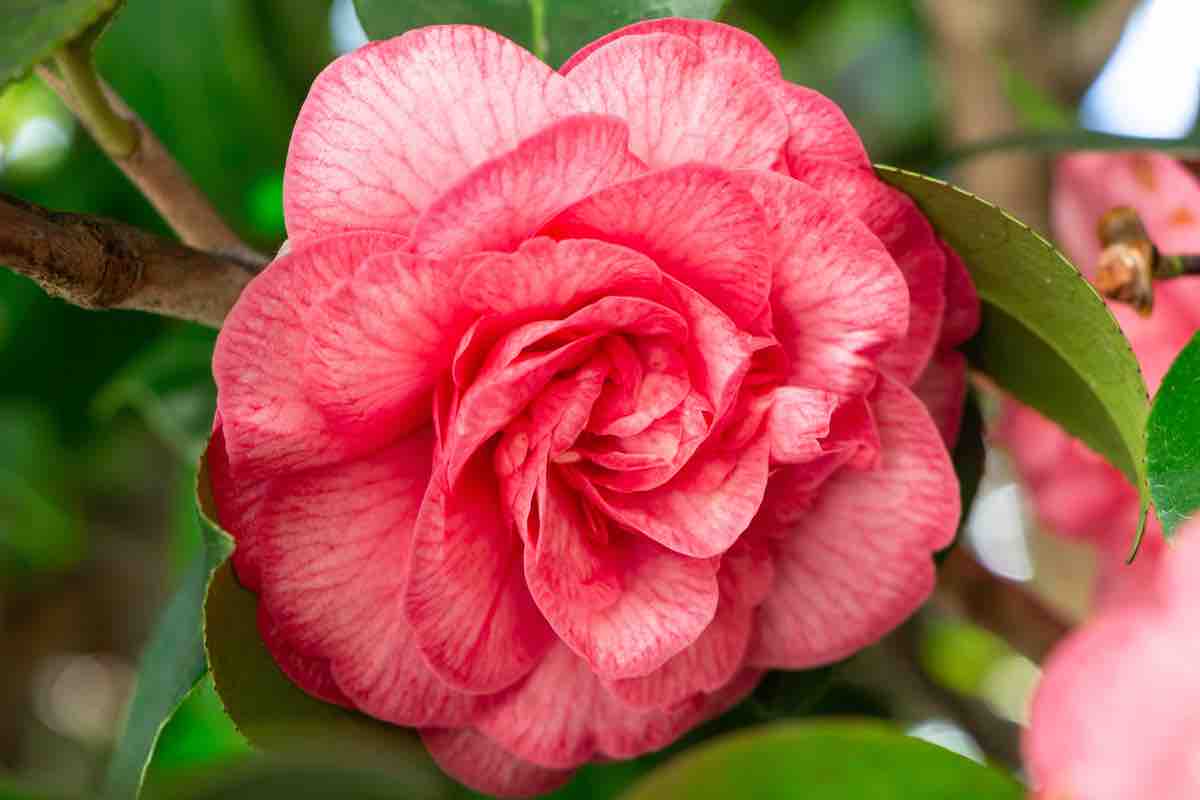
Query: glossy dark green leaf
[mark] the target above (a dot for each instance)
(274, 779)
(34, 29)
(1047, 337)
(1173, 441)
(553, 29)
(825, 760)
(171, 664)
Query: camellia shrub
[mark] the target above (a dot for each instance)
(601, 412)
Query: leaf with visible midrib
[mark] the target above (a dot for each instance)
(34, 29)
(825, 760)
(1046, 337)
(563, 26)
(1173, 441)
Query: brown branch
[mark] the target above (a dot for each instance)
(155, 172)
(97, 263)
(1003, 607)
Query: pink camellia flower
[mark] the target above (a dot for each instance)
(1075, 492)
(583, 397)
(1117, 713)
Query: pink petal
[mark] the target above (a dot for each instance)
(909, 238)
(837, 297)
(680, 106)
(238, 505)
(563, 716)
(715, 39)
(269, 423)
(335, 556)
(389, 127)
(942, 387)
(1114, 715)
(655, 384)
(703, 509)
(547, 429)
(859, 562)
(680, 433)
(548, 277)
(716, 657)
(694, 222)
(797, 420)
(475, 760)
(310, 674)
(466, 599)
(506, 200)
(817, 127)
(625, 604)
(962, 301)
(379, 343)
(511, 377)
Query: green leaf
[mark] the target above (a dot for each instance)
(1173, 441)
(553, 29)
(171, 664)
(825, 760)
(1046, 337)
(271, 711)
(34, 29)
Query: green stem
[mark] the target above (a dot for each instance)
(116, 135)
(541, 45)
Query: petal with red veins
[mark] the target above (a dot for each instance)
(475, 760)
(910, 239)
(705, 507)
(506, 200)
(624, 603)
(269, 424)
(466, 599)
(563, 716)
(680, 432)
(716, 657)
(661, 383)
(962, 301)
(694, 222)
(388, 128)
(817, 126)
(797, 420)
(715, 39)
(837, 296)
(942, 387)
(335, 552)
(238, 505)
(681, 106)
(545, 276)
(545, 431)
(310, 674)
(859, 562)
(379, 343)
(512, 376)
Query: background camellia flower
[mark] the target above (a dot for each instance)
(1115, 715)
(583, 397)
(1075, 492)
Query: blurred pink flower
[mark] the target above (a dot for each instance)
(583, 397)
(1117, 713)
(1075, 492)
